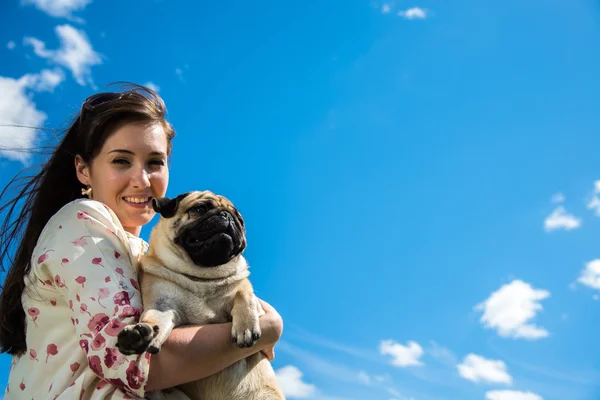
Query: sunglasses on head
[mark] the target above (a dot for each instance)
(96, 100)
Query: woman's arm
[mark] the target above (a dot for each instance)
(195, 352)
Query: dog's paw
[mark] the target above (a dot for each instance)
(135, 339)
(245, 333)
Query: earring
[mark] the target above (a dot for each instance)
(87, 192)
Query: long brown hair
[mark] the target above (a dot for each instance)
(56, 184)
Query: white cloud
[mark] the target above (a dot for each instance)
(11, 45)
(386, 8)
(561, 219)
(46, 81)
(558, 198)
(403, 356)
(594, 203)
(479, 369)
(59, 8)
(290, 379)
(510, 309)
(39, 47)
(413, 13)
(590, 275)
(511, 395)
(152, 86)
(18, 108)
(75, 53)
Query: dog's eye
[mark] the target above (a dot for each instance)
(199, 209)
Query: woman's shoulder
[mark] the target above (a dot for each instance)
(83, 208)
(97, 217)
(93, 217)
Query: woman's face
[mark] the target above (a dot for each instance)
(129, 171)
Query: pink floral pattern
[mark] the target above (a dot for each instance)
(81, 270)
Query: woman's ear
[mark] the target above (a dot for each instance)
(83, 170)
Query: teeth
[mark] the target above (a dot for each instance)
(137, 199)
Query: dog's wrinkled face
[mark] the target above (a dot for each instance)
(205, 225)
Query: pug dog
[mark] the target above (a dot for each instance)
(195, 273)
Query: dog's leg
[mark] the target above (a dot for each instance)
(155, 326)
(245, 330)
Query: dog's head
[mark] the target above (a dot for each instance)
(206, 226)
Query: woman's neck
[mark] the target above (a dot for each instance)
(135, 231)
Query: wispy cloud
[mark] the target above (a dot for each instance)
(590, 275)
(557, 198)
(290, 379)
(59, 8)
(510, 309)
(152, 86)
(364, 378)
(179, 73)
(479, 369)
(75, 53)
(309, 337)
(442, 354)
(319, 365)
(397, 395)
(547, 375)
(511, 395)
(402, 356)
(386, 8)
(594, 202)
(561, 219)
(413, 13)
(11, 45)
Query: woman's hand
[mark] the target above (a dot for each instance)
(271, 326)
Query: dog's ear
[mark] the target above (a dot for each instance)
(167, 207)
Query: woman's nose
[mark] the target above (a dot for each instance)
(141, 178)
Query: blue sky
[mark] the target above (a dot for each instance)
(420, 179)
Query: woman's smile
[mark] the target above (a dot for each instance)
(138, 201)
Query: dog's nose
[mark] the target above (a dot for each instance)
(225, 216)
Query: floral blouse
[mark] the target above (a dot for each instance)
(81, 291)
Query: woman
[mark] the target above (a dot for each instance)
(71, 285)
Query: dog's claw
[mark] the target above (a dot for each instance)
(246, 337)
(153, 349)
(135, 339)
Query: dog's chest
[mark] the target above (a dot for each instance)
(206, 309)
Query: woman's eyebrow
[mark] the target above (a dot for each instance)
(121, 151)
(152, 153)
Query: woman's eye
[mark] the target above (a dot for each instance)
(157, 162)
(120, 161)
